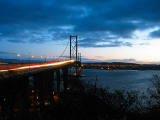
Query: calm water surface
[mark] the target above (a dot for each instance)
(121, 79)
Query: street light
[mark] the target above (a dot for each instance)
(32, 57)
(19, 55)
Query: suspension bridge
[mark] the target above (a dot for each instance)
(39, 82)
(74, 57)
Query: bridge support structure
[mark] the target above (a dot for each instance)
(65, 77)
(44, 84)
(58, 78)
(74, 53)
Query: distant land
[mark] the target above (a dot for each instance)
(120, 66)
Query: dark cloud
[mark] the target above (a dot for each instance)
(109, 43)
(39, 21)
(155, 34)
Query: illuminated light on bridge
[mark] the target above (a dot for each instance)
(68, 88)
(46, 103)
(55, 98)
(37, 97)
(39, 66)
(18, 55)
(33, 91)
(38, 103)
(53, 93)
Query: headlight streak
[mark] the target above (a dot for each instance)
(4, 70)
(39, 66)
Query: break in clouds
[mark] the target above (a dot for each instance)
(99, 23)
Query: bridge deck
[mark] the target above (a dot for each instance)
(18, 67)
(6, 70)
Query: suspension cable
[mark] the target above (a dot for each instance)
(64, 50)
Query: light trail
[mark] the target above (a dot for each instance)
(3, 70)
(38, 66)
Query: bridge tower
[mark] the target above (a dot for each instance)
(74, 53)
(74, 47)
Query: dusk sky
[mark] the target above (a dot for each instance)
(108, 30)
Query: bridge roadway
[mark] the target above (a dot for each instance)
(40, 71)
(34, 66)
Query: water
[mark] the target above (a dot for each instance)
(121, 79)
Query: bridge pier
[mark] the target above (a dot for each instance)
(43, 84)
(65, 77)
(48, 85)
(38, 88)
(58, 78)
(51, 86)
(26, 92)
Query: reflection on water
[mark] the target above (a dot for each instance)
(119, 79)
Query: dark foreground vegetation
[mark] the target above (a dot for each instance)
(90, 103)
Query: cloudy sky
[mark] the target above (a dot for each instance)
(108, 30)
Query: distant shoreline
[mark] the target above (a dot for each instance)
(121, 69)
(120, 66)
